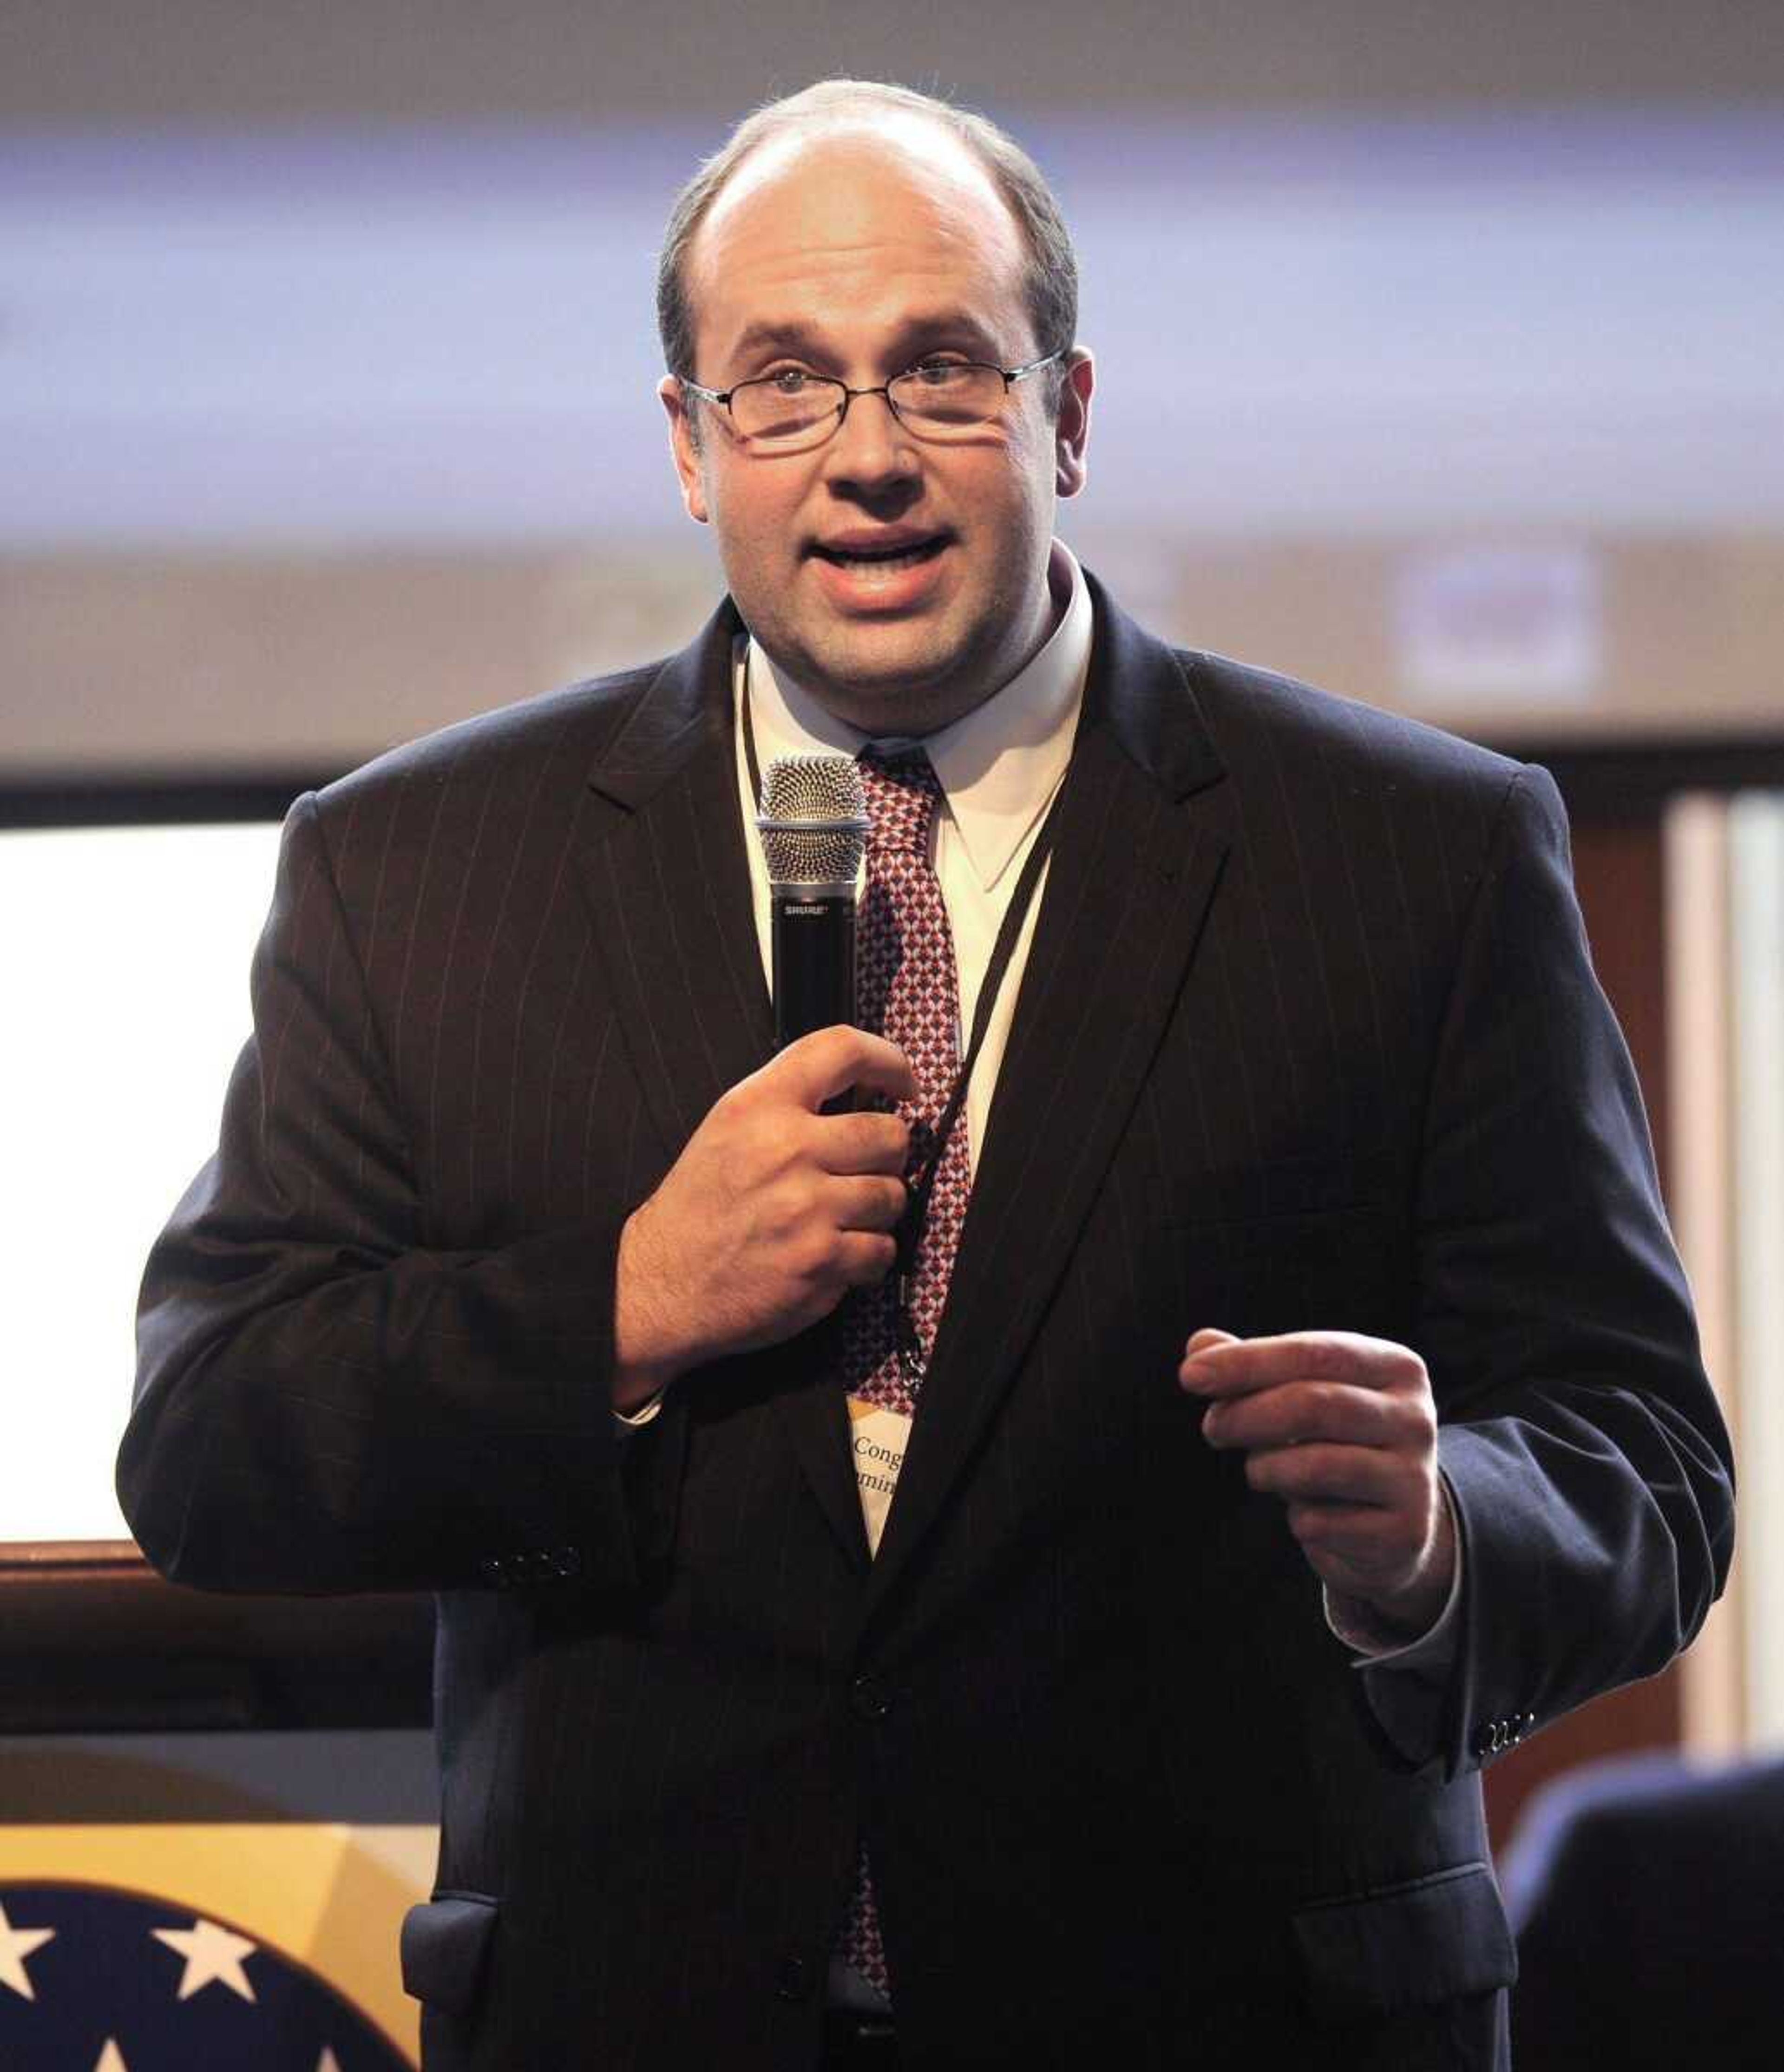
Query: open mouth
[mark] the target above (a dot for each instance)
(906, 554)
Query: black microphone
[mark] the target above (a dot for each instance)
(813, 820)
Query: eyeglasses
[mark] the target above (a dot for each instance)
(936, 399)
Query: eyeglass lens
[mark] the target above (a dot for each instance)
(939, 400)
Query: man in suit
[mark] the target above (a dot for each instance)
(1302, 1396)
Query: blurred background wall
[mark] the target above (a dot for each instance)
(1439, 348)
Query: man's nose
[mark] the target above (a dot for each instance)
(870, 447)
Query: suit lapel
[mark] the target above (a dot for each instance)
(1137, 854)
(667, 881)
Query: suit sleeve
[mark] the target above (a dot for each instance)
(323, 1402)
(1588, 1461)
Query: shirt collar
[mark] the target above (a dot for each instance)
(999, 765)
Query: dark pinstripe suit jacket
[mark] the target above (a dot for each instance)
(1308, 1037)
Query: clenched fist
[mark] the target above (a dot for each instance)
(772, 1210)
(1344, 1430)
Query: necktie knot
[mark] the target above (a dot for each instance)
(903, 793)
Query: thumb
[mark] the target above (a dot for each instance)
(1206, 1339)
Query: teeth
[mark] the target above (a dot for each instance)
(887, 558)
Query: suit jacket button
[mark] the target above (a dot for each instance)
(869, 1698)
(567, 1561)
(492, 1570)
(793, 1979)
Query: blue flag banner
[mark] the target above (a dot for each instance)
(96, 1978)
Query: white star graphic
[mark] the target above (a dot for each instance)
(111, 2059)
(211, 1954)
(16, 1945)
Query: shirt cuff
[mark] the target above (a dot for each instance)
(1432, 1650)
(645, 1412)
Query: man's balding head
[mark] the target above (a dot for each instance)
(892, 114)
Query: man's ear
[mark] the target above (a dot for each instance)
(1071, 428)
(684, 446)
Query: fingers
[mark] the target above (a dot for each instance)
(817, 1067)
(771, 1211)
(1241, 1367)
(867, 1203)
(1321, 1475)
(1303, 1413)
(862, 1259)
(864, 1142)
(1366, 1537)
(1342, 1429)
(1324, 1417)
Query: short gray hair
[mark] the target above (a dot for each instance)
(1051, 287)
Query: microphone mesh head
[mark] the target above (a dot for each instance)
(813, 820)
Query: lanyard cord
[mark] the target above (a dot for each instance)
(917, 1211)
(910, 1231)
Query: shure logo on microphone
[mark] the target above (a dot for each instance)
(803, 906)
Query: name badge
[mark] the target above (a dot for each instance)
(877, 1439)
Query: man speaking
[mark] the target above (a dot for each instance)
(1021, 1566)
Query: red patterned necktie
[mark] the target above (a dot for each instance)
(907, 990)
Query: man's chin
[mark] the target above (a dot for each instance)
(883, 687)
(914, 705)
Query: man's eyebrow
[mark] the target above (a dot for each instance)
(781, 337)
(951, 327)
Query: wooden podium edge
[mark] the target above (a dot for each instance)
(93, 1641)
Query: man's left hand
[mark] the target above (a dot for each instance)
(1344, 1429)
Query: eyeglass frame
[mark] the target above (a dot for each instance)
(1011, 375)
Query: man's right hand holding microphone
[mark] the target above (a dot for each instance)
(771, 1212)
